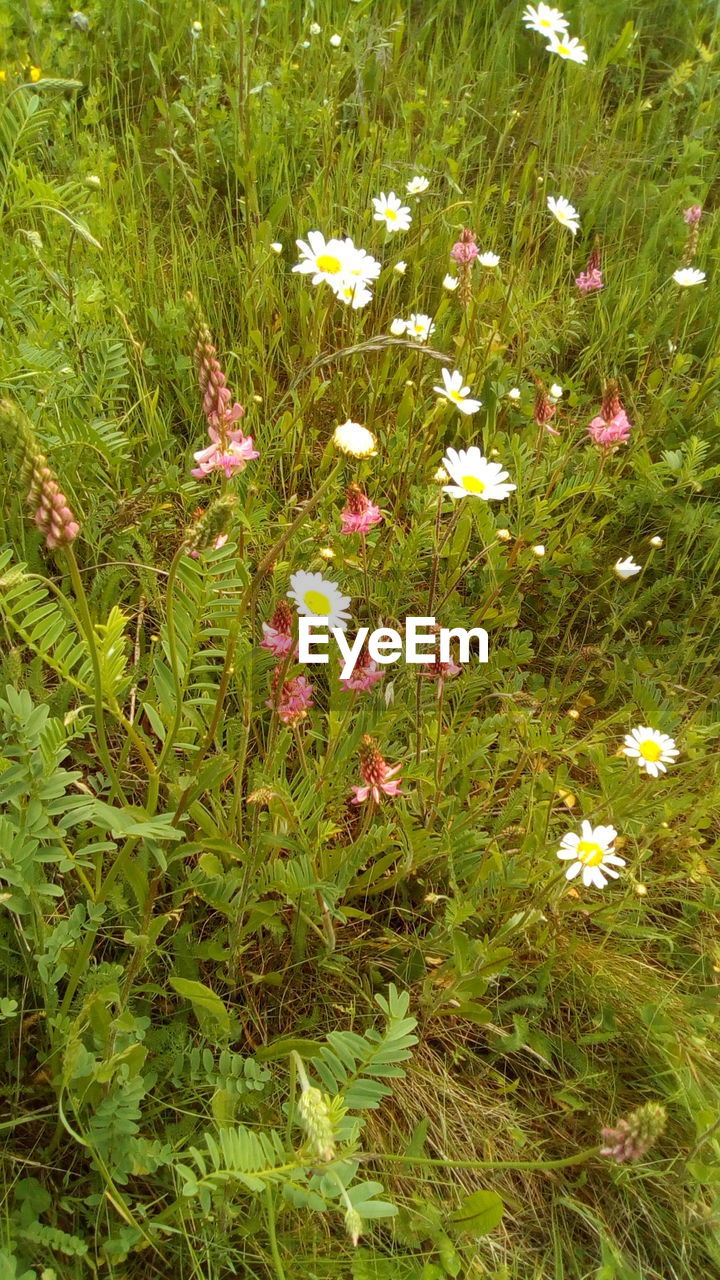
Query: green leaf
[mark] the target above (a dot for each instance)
(479, 1213)
(204, 1000)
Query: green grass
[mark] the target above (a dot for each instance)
(144, 164)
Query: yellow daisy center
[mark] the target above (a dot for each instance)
(650, 750)
(590, 853)
(562, 48)
(456, 396)
(473, 485)
(318, 603)
(328, 262)
(391, 215)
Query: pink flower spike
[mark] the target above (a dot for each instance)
(277, 635)
(607, 434)
(590, 281)
(365, 674)
(466, 249)
(296, 696)
(692, 215)
(360, 514)
(378, 777)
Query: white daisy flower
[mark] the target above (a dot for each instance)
(398, 327)
(391, 210)
(353, 293)
(360, 264)
(545, 19)
(336, 41)
(686, 277)
(570, 49)
(592, 853)
(354, 439)
(416, 186)
(314, 596)
(653, 750)
(419, 327)
(400, 267)
(514, 393)
(457, 393)
(276, 246)
(566, 215)
(474, 476)
(450, 283)
(626, 568)
(488, 259)
(324, 260)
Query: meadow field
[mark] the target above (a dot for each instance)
(371, 969)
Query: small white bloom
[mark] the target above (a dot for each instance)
(457, 393)
(196, 30)
(571, 50)
(626, 568)
(324, 260)
(474, 476)
(391, 210)
(92, 180)
(305, 44)
(592, 853)
(276, 246)
(514, 393)
(686, 277)
(539, 550)
(556, 391)
(504, 535)
(419, 327)
(653, 751)
(450, 283)
(315, 597)
(354, 439)
(400, 267)
(545, 19)
(336, 41)
(488, 259)
(353, 293)
(566, 215)
(656, 541)
(398, 327)
(416, 186)
(315, 28)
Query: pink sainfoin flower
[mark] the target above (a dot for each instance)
(291, 701)
(544, 409)
(633, 1137)
(217, 544)
(365, 674)
(692, 218)
(229, 450)
(277, 635)
(464, 252)
(693, 215)
(590, 280)
(50, 508)
(360, 514)
(378, 777)
(612, 426)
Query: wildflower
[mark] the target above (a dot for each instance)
(400, 267)
(686, 277)
(590, 280)
(416, 186)
(653, 750)
(325, 260)
(229, 450)
(656, 541)
(276, 246)
(544, 409)
(277, 634)
(316, 597)
(315, 28)
(390, 210)
(292, 700)
(196, 30)
(503, 535)
(545, 19)
(556, 391)
(376, 774)
(336, 41)
(458, 394)
(569, 49)
(360, 514)
(398, 327)
(210, 525)
(539, 550)
(419, 327)
(361, 265)
(473, 475)
(353, 294)
(50, 508)
(450, 283)
(592, 853)
(35, 74)
(465, 250)
(314, 1112)
(353, 439)
(612, 426)
(566, 215)
(93, 181)
(217, 544)
(632, 1138)
(326, 553)
(365, 674)
(692, 215)
(441, 476)
(436, 669)
(488, 259)
(626, 568)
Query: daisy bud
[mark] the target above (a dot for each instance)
(641, 890)
(503, 534)
(354, 440)
(539, 549)
(573, 714)
(656, 541)
(441, 476)
(315, 1116)
(632, 1138)
(353, 1226)
(327, 553)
